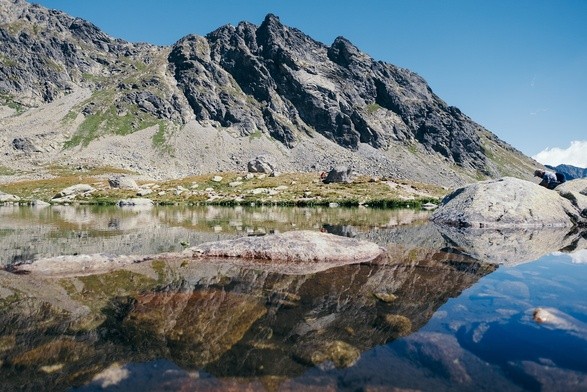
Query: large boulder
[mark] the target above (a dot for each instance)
(507, 202)
(339, 174)
(70, 193)
(122, 182)
(302, 250)
(262, 164)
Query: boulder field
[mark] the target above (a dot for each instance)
(513, 203)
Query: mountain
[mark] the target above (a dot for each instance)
(570, 172)
(72, 95)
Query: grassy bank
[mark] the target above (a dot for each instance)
(295, 189)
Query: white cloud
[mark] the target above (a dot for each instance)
(577, 257)
(575, 155)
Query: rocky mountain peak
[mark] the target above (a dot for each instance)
(343, 52)
(268, 81)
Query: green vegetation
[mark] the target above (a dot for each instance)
(256, 135)
(7, 61)
(8, 100)
(109, 122)
(507, 162)
(159, 139)
(5, 171)
(372, 108)
(289, 189)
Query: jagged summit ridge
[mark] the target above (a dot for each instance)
(301, 85)
(255, 81)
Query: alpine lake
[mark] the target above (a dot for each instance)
(443, 311)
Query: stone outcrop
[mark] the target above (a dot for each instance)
(510, 202)
(278, 80)
(576, 192)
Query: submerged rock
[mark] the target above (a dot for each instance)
(506, 203)
(292, 246)
(294, 252)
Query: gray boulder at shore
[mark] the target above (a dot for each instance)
(513, 203)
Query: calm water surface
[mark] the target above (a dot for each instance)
(443, 312)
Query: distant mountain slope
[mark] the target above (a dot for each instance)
(212, 103)
(570, 172)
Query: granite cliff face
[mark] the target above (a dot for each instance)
(324, 105)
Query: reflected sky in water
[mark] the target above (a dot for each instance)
(433, 315)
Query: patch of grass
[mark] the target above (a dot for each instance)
(8, 100)
(256, 135)
(372, 108)
(109, 122)
(159, 140)
(65, 171)
(507, 162)
(47, 188)
(289, 189)
(5, 171)
(7, 61)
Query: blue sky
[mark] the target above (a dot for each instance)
(519, 68)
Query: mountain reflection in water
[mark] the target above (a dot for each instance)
(428, 317)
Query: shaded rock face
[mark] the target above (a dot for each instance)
(24, 145)
(45, 67)
(507, 202)
(276, 79)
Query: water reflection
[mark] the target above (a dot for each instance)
(31, 233)
(432, 315)
(227, 321)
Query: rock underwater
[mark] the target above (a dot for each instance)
(294, 252)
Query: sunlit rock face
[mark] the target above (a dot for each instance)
(506, 203)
